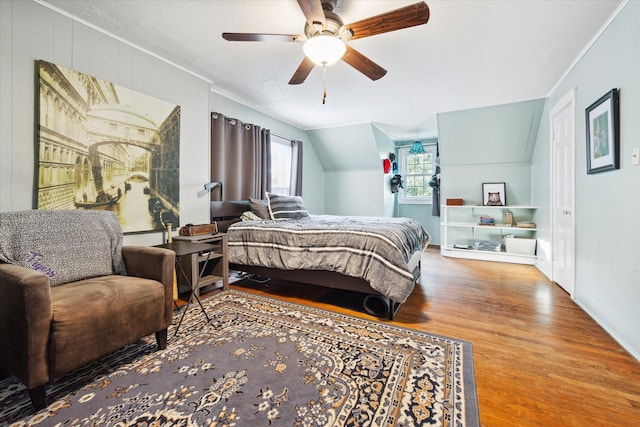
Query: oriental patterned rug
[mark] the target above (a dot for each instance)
(264, 362)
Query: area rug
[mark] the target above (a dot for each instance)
(264, 362)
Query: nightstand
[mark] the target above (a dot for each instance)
(213, 261)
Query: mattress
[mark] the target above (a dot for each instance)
(378, 249)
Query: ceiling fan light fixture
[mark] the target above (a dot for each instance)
(324, 49)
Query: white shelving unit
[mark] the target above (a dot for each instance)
(460, 226)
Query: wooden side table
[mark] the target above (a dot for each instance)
(189, 250)
(206, 266)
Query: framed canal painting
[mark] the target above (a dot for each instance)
(103, 146)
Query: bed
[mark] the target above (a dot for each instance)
(378, 257)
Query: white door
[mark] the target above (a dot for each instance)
(562, 191)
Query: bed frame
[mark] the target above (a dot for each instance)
(226, 213)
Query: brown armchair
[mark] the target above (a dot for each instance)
(70, 293)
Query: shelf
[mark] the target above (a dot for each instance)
(204, 257)
(207, 280)
(489, 207)
(488, 255)
(216, 267)
(460, 225)
(489, 227)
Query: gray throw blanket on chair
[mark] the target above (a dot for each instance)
(66, 245)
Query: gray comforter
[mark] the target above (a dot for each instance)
(373, 248)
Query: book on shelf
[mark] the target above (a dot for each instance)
(459, 246)
(486, 220)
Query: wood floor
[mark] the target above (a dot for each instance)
(539, 359)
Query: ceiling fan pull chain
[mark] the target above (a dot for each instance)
(324, 84)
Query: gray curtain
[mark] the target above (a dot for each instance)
(240, 158)
(435, 207)
(296, 168)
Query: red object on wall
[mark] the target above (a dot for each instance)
(387, 165)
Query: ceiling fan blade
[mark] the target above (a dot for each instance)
(313, 11)
(405, 17)
(258, 37)
(302, 72)
(363, 64)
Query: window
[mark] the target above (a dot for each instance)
(280, 165)
(416, 171)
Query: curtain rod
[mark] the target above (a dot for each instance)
(282, 137)
(233, 118)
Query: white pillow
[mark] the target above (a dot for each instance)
(250, 216)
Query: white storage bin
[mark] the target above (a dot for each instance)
(520, 246)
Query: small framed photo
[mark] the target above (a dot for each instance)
(494, 194)
(603, 139)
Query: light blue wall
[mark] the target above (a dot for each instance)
(346, 147)
(385, 146)
(354, 192)
(354, 178)
(29, 32)
(493, 144)
(607, 205)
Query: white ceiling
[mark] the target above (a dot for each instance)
(470, 54)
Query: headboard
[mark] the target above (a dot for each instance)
(225, 213)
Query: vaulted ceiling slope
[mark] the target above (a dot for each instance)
(499, 134)
(470, 54)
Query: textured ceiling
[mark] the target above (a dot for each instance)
(470, 54)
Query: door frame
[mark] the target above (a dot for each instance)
(567, 100)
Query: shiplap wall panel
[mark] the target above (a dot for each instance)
(62, 33)
(6, 97)
(32, 32)
(344, 198)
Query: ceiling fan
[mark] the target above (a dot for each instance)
(325, 36)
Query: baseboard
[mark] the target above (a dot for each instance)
(615, 336)
(545, 267)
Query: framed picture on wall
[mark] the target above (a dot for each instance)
(102, 146)
(494, 194)
(603, 139)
